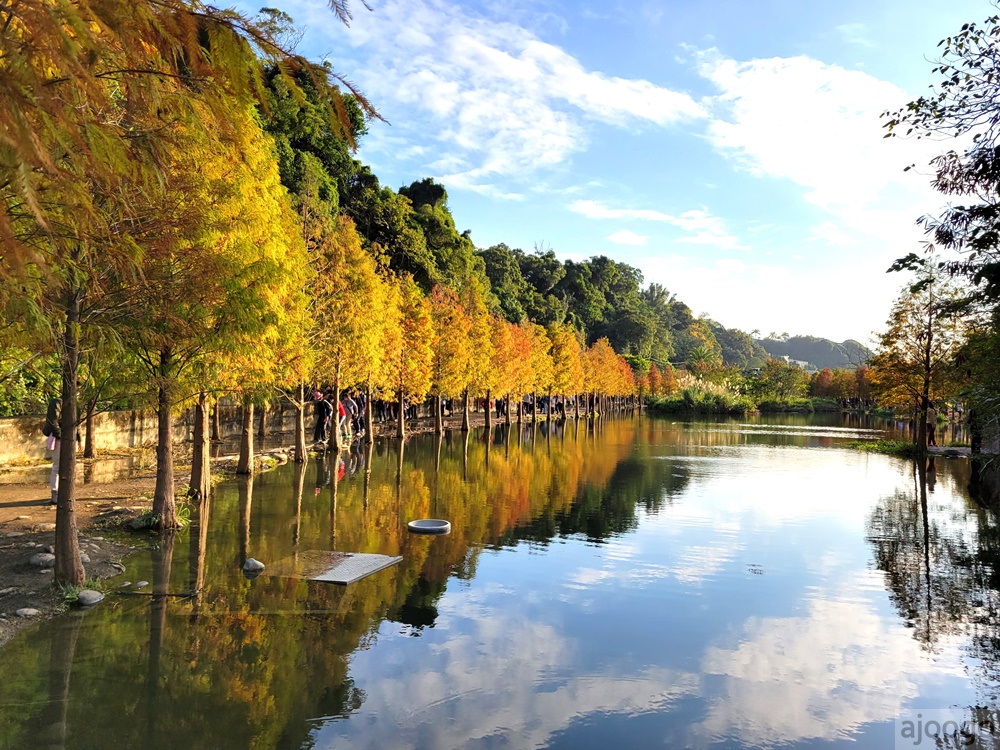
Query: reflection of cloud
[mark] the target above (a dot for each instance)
(699, 563)
(503, 680)
(819, 676)
(586, 577)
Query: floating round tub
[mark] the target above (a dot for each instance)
(429, 526)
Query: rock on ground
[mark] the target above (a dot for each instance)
(88, 597)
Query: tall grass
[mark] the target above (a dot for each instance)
(702, 398)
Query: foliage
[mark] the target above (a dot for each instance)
(703, 398)
(903, 448)
(450, 353)
(840, 383)
(27, 381)
(409, 342)
(777, 381)
(796, 405)
(915, 361)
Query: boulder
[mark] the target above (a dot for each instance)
(43, 560)
(89, 597)
(27, 612)
(253, 566)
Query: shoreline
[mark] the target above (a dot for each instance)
(27, 519)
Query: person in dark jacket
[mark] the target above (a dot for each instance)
(322, 411)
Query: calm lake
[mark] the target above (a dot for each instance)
(648, 583)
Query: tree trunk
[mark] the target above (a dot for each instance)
(69, 570)
(925, 391)
(401, 421)
(301, 453)
(200, 470)
(163, 495)
(489, 413)
(369, 427)
(506, 409)
(246, 462)
(520, 410)
(88, 440)
(335, 441)
(438, 426)
(216, 423)
(465, 411)
(262, 426)
(534, 407)
(576, 400)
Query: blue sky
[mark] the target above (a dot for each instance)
(731, 150)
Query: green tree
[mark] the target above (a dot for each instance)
(454, 254)
(915, 360)
(506, 281)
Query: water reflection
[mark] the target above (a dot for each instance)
(625, 583)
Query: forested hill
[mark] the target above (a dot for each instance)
(819, 352)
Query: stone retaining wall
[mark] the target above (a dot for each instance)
(21, 439)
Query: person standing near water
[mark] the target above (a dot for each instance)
(51, 432)
(931, 424)
(323, 410)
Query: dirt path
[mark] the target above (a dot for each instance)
(27, 528)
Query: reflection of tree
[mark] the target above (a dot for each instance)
(198, 548)
(264, 659)
(941, 560)
(606, 509)
(245, 488)
(162, 559)
(419, 609)
(52, 723)
(926, 561)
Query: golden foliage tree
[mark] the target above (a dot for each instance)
(409, 356)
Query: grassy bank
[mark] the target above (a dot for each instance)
(902, 448)
(709, 399)
(701, 399)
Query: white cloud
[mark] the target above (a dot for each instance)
(626, 237)
(597, 210)
(707, 230)
(818, 126)
(703, 228)
(497, 98)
